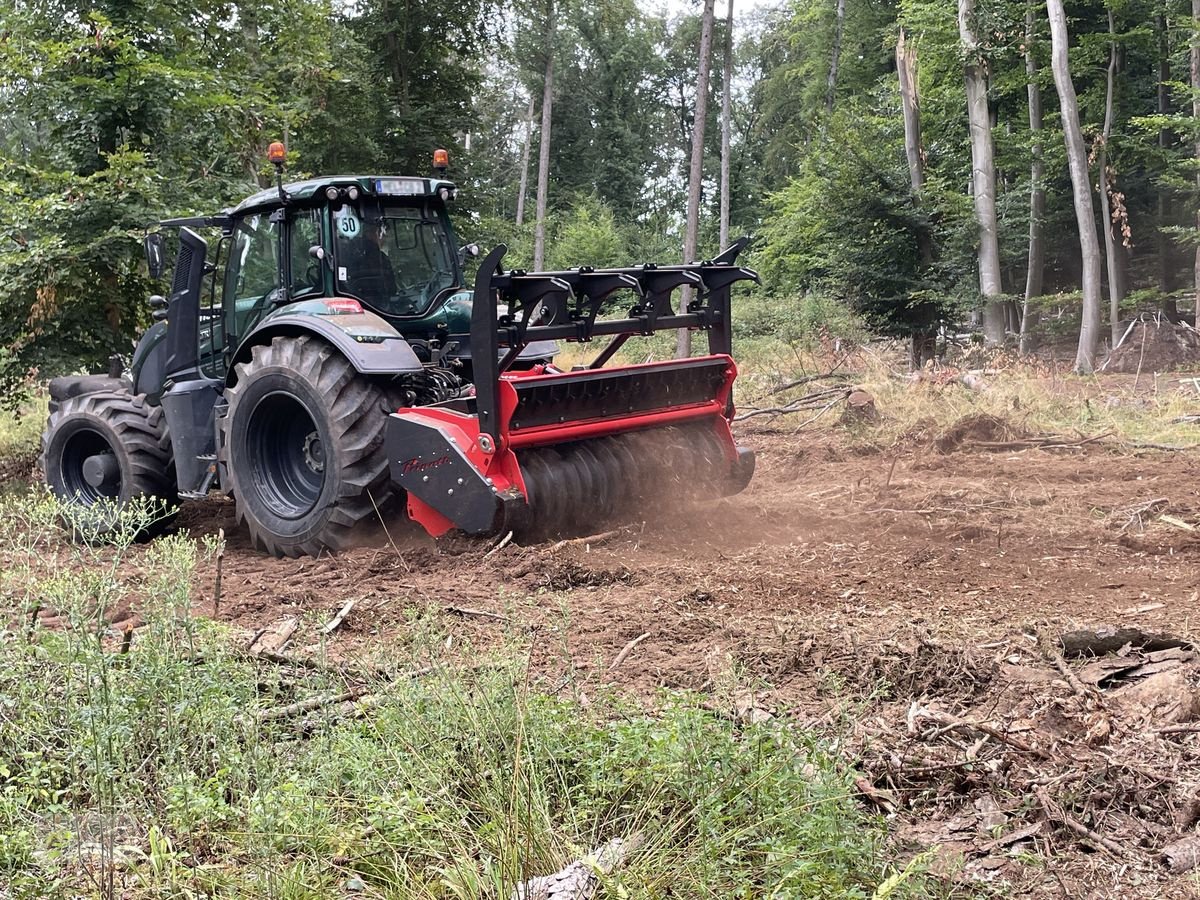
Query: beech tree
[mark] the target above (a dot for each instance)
(1085, 217)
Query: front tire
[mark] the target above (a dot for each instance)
(101, 452)
(302, 450)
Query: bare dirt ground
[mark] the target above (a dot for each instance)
(910, 599)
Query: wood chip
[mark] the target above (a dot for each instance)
(275, 637)
(336, 622)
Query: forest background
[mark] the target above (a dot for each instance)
(912, 168)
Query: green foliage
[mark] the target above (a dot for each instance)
(71, 286)
(848, 226)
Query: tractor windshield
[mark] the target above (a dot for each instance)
(395, 259)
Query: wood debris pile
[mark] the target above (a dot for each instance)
(1087, 743)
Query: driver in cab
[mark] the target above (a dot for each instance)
(371, 276)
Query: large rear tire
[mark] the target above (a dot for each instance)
(103, 450)
(301, 448)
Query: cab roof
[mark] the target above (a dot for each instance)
(368, 186)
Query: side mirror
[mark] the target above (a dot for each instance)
(155, 254)
(471, 250)
(317, 252)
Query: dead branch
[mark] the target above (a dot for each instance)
(478, 613)
(627, 649)
(220, 563)
(581, 879)
(1109, 639)
(808, 401)
(1183, 855)
(808, 379)
(308, 705)
(824, 409)
(590, 539)
(274, 639)
(954, 723)
(1177, 523)
(1056, 813)
(1052, 655)
(500, 545)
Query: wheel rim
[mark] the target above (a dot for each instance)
(286, 455)
(90, 471)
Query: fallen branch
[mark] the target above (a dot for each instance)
(500, 545)
(1052, 655)
(220, 563)
(823, 410)
(581, 879)
(954, 723)
(303, 706)
(1183, 855)
(590, 539)
(273, 640)
(1056, 813)
(1177, 523)
(479, 613)
(808, 401)
(1108, 639)
(627, 649)
(808, 379)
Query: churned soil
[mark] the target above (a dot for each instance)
(908, 599)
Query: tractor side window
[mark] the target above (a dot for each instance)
(211, 332)
(306, 273)
(252, 273)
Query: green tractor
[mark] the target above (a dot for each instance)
(327, 362)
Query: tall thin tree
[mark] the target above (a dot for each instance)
(835, 54)
(1116, 290)
(1196, 116)
(983, 175)
(1162, 242)
(683, 344)
(543, 185)
(906, 70)
(726, 104)
(1036, 257)
(525, 150)
(924, 341)
(1085, 216)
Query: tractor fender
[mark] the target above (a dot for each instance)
(369, 343)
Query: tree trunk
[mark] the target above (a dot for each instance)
(1162, 243)
(924, 340)
(683, 345)
(1037, 194)
(726, 103)
(1085, 216)
(543, 185)
(525, 149)
(1115, 288)
(906, 69)
(1196, 115)
(983, 177)
(835, 55)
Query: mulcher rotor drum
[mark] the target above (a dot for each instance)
(577, 486)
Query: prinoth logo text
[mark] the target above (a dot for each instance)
(416, 464)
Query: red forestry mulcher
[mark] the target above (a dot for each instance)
(327, 362)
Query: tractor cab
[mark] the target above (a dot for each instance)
(383, 245)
